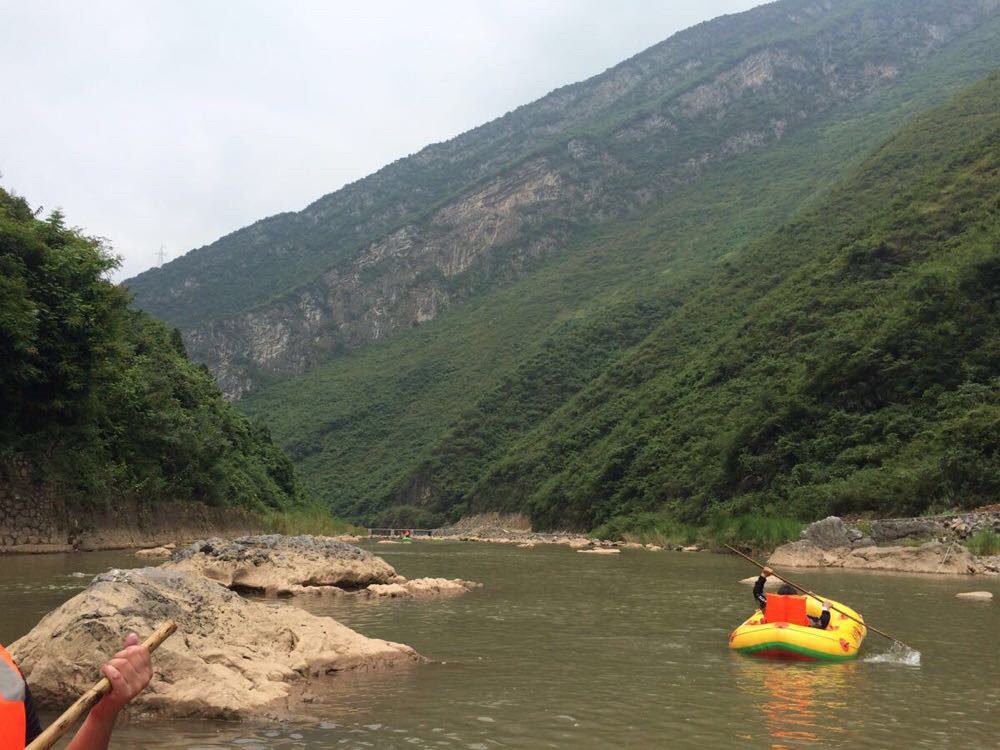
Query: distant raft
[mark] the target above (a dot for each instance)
(788, 636)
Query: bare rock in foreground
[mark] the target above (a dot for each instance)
(231, 658)
(278, 565)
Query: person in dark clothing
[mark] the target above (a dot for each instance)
(760, 599)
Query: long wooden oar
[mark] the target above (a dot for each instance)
(810, 593)
(89, 699)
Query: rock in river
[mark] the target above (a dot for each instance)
(421, 587)
(230, 657)
(975, 596)
(283, 565)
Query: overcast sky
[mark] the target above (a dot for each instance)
(176, 122)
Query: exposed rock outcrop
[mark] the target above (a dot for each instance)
(421, 587)
(153, 552)
(830, 533)
(278, 565)
(932, 557)
(389, 252)
(231, 657)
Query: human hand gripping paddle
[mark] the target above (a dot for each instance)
(814, 596)
(92, 697)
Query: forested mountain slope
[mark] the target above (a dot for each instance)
(458, 219)
(384, 428)
(850, 362)
(101, 399)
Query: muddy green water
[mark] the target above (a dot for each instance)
(568, 650)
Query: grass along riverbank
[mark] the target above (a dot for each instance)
(311, 520)
(756, 532)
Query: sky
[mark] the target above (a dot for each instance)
(171, 123)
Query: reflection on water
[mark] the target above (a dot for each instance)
(800, 703)
(569, 650)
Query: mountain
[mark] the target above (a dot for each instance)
(450, 224)
(627, 363)
(101, 402)
(847, 362)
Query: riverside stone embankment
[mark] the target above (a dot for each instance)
(35, 516)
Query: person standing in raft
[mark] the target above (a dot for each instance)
(129, 672)
(760, 599)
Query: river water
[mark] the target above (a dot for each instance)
(562, 649)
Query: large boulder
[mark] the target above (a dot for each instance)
(230, 658)
(830, 533)
(279, 565)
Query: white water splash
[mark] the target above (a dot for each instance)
(898, 654)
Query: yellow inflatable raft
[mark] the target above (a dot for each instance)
(761, 636)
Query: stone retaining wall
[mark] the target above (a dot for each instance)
(35, 516)
(960, 526)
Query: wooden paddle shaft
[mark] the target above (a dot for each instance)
(810, 593)
(89, 699)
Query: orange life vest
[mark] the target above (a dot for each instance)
(786, 608)
(12, 717)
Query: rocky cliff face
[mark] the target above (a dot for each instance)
(393, 250)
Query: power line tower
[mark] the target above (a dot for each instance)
(161, 257)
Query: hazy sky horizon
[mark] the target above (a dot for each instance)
(174, 122)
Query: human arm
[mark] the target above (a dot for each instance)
(129, 672)
(758, 589)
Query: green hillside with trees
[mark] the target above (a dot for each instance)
(544, 396)
(850, 362)
(102, 399)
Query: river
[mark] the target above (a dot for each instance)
(562, 649)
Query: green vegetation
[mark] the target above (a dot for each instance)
(756, 532)
(307, 520)
(103, 399)
(543, 396)
(847, 363)
(985, 543)
(649, 528)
